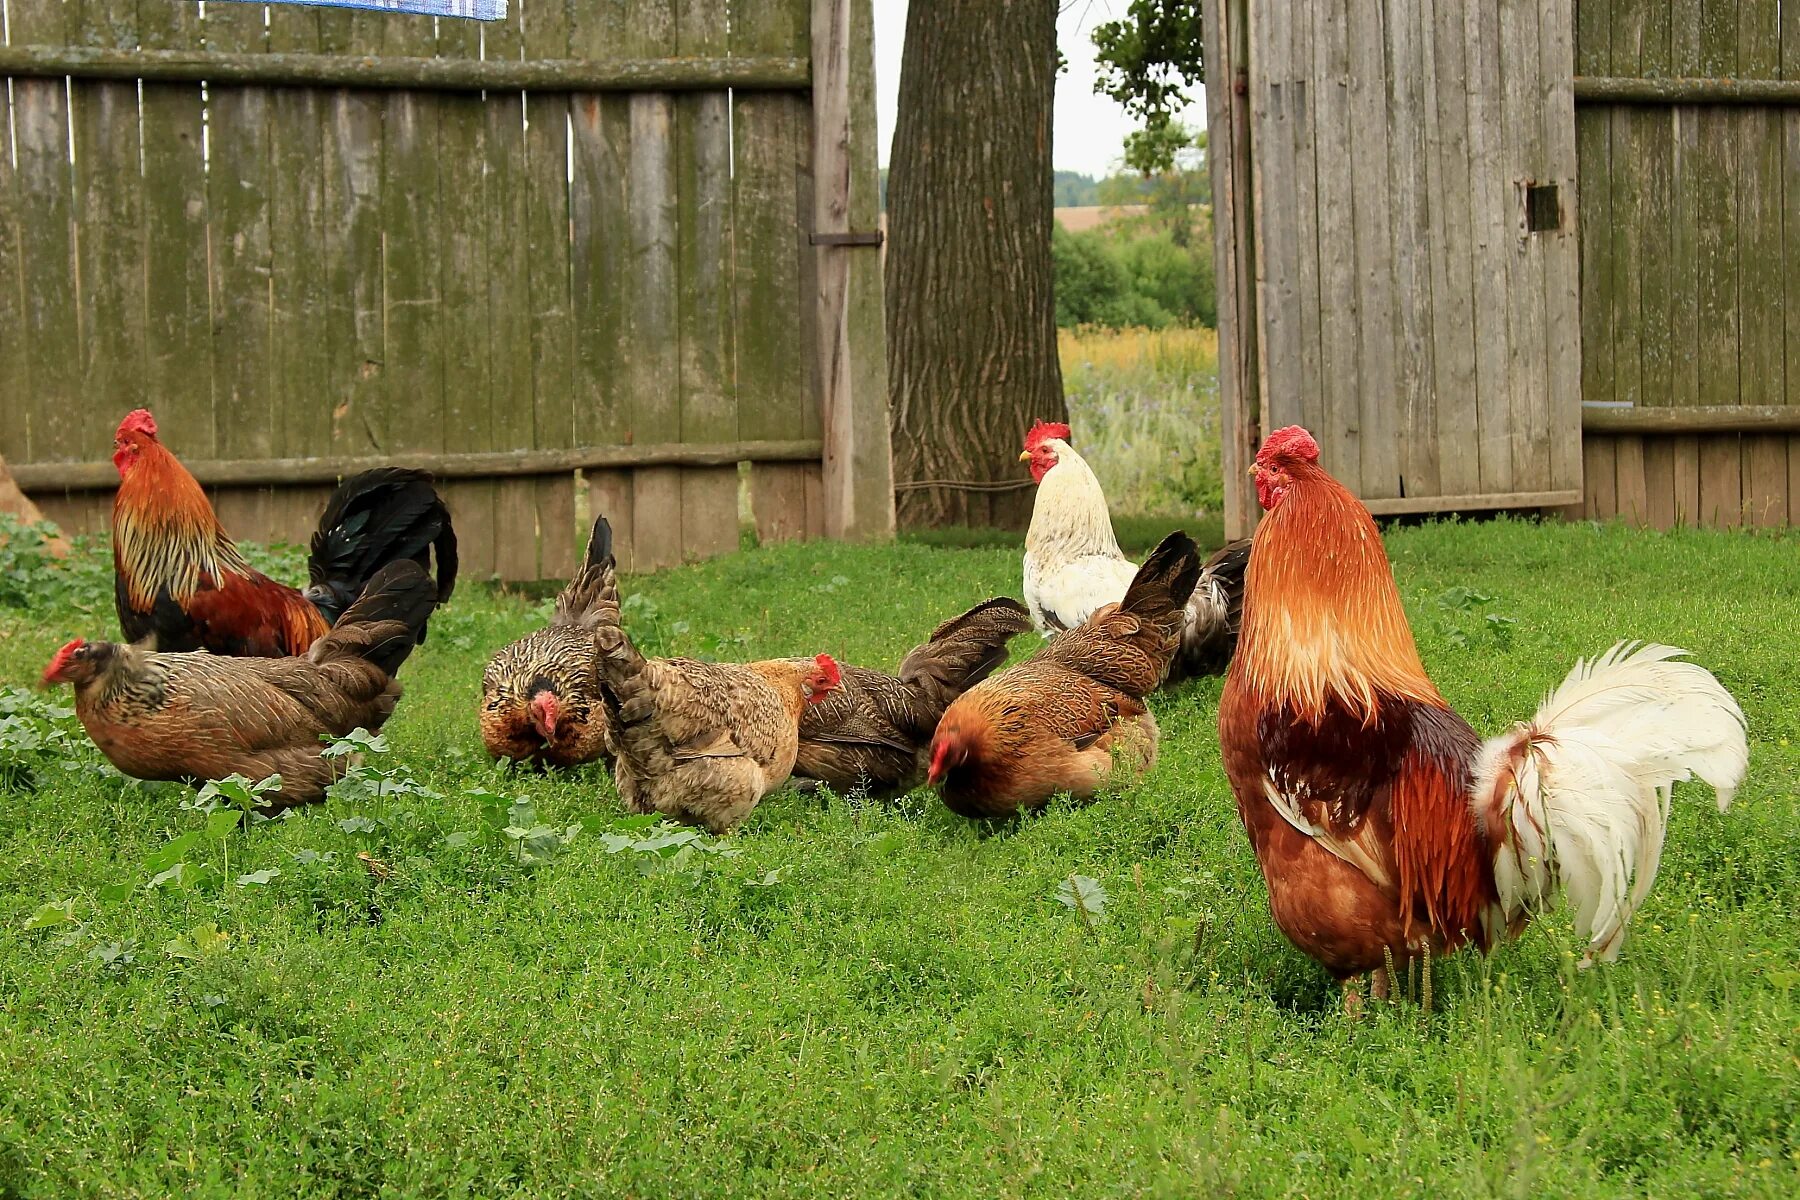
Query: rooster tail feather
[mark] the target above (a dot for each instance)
(1215, 612)
(386, 621)
(375, 518)
(1577, 801)
(965, 649)
(1166, 579)
(579, 603)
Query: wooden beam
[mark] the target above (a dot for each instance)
(1609, 89)
(768, 72)
(1717, 418)
(1397, 505)
(852, 339)
(56, 477)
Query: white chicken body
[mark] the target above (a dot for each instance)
(1073, 564)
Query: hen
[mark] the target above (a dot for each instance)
(1384, 826)
(699, 742)
(1071, 718)
(196, 716)
(1073, 564)
(540, 696)
(180, 579)
(870, 733)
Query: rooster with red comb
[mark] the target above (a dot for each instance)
(181, 580)
(1386, 829)
(1074, 567)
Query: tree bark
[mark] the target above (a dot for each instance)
(971, 317)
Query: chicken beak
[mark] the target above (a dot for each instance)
(1024, 456)
(1255, 470)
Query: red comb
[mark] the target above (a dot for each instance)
(829, 668)
(59, 658)
(138, 420)
(1289, 442)
(1043, 431)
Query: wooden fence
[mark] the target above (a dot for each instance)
(1689, 133)
(588, 260)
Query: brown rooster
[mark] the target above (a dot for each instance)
(870, 734)
(540, 696)
(180, 580)
(1071, 718)
(196, 716)
(700, 742)
(1384, 826)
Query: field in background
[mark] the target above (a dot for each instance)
(1144, 408)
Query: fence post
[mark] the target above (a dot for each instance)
(852, 348)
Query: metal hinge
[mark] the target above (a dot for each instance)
(871, 238)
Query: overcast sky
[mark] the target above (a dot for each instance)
(1090, 129)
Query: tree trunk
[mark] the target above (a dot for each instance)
(971, 318)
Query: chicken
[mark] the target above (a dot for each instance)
(1073, 564)
(180, 580)
(195, 716)
(540, 696)
(1383, 825)
(870, 734)
(1071, 718)
(699, 742)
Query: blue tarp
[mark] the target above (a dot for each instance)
(480, 10)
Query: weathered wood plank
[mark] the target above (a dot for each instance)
(1655, 145)
(1759, 39)
(1451, 247)
(778, 501)
(1371, 194)
(610, 495)
(1273, 180)
(1493, 266)
(1340, 352)
(1561, 249)
(652, 324)
(1715, 183)
(774, 382)
(44, 189)
(511, 416)
(1790, 139)
(1659, 483)
(1684, 260)
(1599, 476)
(1761, 298)
(770, 27)
(546, 35)
(15, 377)
(1625, 230)
(1689, 418)
(1417, 432)
(1631, 490)
(178, 336)
(1594, 133)
(1302, 130)
(1686, 453)
(1765, 475)
(1684, 37)
(405, 72)
(1593, 37)
(1721, 481)
(1719, 39)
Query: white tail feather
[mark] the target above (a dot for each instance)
(1577, 801)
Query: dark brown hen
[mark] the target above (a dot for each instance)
(870, 734)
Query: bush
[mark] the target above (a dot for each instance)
(1123, 277)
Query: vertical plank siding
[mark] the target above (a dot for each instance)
(292, 272)
(1690, 245)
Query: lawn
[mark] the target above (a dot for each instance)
(856, 999)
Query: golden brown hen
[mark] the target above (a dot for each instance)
(540, 696)
(195, 716)
(700, 742)
(870, 734)
(1072, 716)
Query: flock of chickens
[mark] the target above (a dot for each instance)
(1387, 830)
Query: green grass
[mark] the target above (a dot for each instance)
(906, 1009)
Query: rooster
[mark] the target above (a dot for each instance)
(180, 580)
(196, 716)
(870, 733)
(699, 742)
(540, 696)
(1073, 564)
(1385, 828)
(1071, 718)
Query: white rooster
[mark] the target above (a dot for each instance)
(1073, 564)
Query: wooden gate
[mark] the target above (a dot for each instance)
(595, 257)
(1394, 200)
(1689, 126)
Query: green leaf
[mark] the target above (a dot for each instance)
(221, 823)
(457, 840)
(51, 916)
(356, 826)
(202, 941)
(112, 893)
(171, 852)
(1085, 895)
(258, 878)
